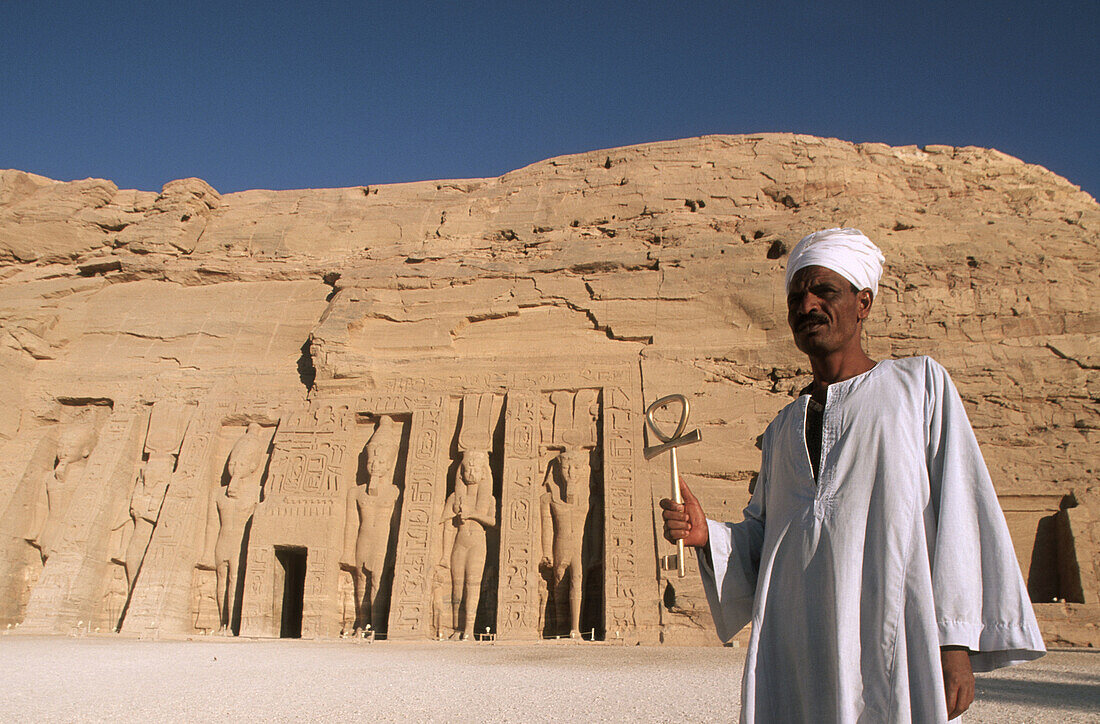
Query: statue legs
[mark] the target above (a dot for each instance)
(467, 565)
(227, 594)
(572, 604)
(377, 621)
(368, 598)
(360, 580)
(574, 601)
(135, 551)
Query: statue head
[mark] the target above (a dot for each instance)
(246, 456)
(574, 465)
(475, 468)
(382, 450)
(75, 443)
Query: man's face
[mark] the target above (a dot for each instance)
(377, 461)
(823, 312)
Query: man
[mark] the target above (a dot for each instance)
(873, 561)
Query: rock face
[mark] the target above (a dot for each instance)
(192, 380)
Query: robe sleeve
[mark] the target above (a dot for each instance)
(980, 598)
(729, 571)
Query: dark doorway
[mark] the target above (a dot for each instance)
(293, 563)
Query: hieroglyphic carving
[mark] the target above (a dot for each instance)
(314, 608)
(425, 486)
(259, 600)
(630, 589)
(303, 509)
(518, 600)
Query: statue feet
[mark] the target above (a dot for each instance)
(575, 635)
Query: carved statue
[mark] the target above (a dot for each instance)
(229, 516)
(563, 511)
(114, 599)
(167, 423)
(440, 582)
(370, 509)
(469, 511)
(346, 591)
(74, 444)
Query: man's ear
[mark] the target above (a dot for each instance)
(864, 299)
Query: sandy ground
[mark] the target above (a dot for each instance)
(109, 678)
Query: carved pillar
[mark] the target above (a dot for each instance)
(420, 538)
(518, 596)
(631, 591)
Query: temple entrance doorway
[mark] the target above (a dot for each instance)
(290, 586)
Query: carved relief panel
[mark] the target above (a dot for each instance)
(74, 578)
(166, 596)
(552, 545)
(562, 428)
(372, 514)
(296, 535)
(135, 516)
(445, 581)
(34, 523)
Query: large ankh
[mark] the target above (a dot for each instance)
(670, 443)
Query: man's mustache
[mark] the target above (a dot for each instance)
(810, 318)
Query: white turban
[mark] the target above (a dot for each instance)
(846, 251)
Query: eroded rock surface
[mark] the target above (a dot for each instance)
(612, 277)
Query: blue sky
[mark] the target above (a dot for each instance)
(294, 95)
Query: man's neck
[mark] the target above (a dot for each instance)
(837, 367)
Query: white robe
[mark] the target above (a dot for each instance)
(853, 584)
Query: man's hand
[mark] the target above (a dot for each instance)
(958, 680)
(685, 521)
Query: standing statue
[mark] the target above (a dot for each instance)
(368, 524)
(74, 445)
(563, 511)
(469, 511)
(167, 423)
(229, 516)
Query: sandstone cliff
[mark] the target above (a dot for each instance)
(663, 261)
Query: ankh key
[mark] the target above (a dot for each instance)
(670, 443)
